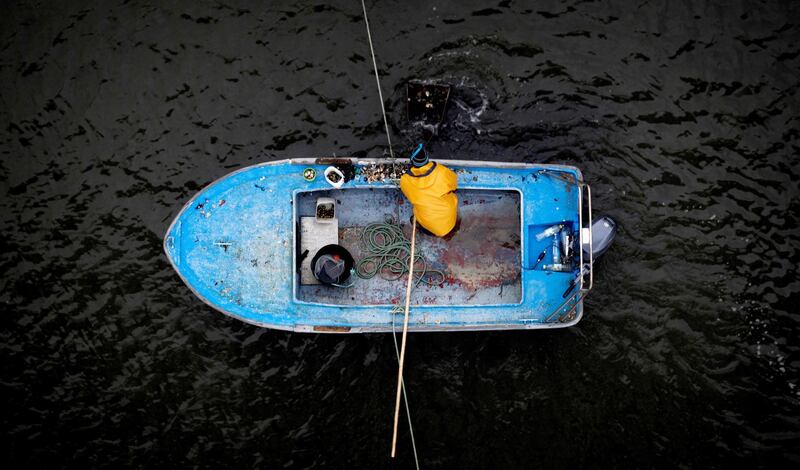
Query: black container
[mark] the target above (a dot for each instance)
(343, 254)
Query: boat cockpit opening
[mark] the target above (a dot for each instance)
(480, 265)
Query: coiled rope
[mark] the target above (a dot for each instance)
(387, 252)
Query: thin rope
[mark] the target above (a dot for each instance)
(397, 309)
(378, 81)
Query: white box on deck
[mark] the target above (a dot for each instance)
(313, 236)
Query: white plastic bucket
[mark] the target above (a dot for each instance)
(333, 170)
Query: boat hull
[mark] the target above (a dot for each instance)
(236, 246)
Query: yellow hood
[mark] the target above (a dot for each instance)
(430, 189)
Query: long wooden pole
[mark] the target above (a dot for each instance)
(405, 332)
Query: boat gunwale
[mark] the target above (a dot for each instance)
(523, 324)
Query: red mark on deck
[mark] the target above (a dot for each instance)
(492, 282)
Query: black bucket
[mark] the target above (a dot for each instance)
(333, 251)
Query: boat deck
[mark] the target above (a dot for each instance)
(481, 262)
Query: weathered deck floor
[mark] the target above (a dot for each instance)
(481, 262)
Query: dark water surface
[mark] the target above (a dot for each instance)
(684, 117)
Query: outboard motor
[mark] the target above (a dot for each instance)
(603, 232)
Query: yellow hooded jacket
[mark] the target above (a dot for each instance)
(430, 189)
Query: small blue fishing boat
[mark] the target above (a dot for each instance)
(521, 258)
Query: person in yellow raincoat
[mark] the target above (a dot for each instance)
(430, 187)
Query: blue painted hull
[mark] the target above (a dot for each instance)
(234, 245)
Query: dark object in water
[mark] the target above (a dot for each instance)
(604, 230)
(426, 102)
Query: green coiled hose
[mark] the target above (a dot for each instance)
(386, 254)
